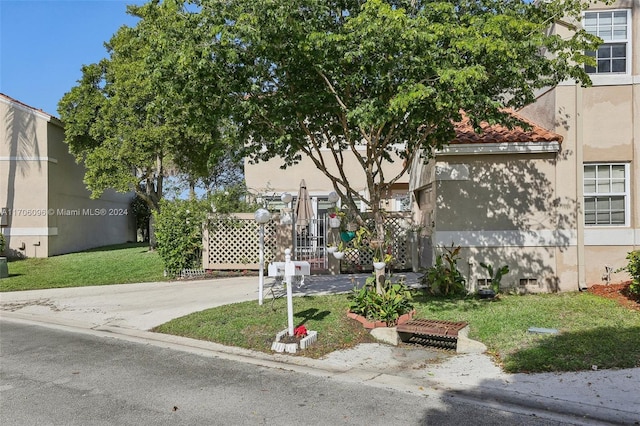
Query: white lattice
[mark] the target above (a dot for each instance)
(362, 260)
(233, 243)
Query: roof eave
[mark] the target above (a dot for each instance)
(499, 148)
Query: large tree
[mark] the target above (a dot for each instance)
(378, 77)
(142, 112)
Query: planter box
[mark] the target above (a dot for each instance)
(375, 324)
(292, 348)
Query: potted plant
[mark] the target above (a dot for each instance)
(335, 218)
(4, 270)
(388, 308)
(381, 260)
(339, 252)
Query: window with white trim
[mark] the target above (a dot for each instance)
(606, 194)
(614, 28)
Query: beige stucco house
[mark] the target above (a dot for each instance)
(561, 208)
(269, 179)
(45, 208)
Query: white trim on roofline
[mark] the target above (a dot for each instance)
(18, 105)
(48, 159)
(500, 148)
(31, 232)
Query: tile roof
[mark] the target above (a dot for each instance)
(497, 133)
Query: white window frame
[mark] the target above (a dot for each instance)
(604, 78)
(625, 194)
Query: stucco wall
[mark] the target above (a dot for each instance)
(504, 209)
(48, 208)
(23, 179)
(267, 176)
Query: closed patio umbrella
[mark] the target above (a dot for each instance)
(303, 210)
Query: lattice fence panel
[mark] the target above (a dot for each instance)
(233, 243)
(362, 260)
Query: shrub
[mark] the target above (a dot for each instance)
(178, 230)
(2, 243)
(444, 277)
(633, 268)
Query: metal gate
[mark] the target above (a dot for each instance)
(310, 244)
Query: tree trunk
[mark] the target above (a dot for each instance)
(380, 235)
(153, 242)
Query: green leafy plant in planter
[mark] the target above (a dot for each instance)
(444, 277)
(394, 301)
(496, 276)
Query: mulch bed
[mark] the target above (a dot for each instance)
(618, 292)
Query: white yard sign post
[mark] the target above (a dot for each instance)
(289, 271)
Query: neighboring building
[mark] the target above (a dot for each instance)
(45, 208)
(562, 216)
(268, 179)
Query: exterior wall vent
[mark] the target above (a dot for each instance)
(484, 282)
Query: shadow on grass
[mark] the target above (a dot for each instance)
(114, 247)
(602, 347)
(311, 314)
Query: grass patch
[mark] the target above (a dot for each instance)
(118, 264)
(593, 330)
(249, 325)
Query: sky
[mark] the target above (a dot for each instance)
(44, 43)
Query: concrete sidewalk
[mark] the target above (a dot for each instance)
(128, 311)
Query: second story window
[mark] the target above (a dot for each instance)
(606, 194)
(614, 28)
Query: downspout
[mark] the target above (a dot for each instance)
(580, 187)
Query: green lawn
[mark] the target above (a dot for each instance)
(126, 263)
(593, 330)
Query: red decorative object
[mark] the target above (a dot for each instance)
(300, 331)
